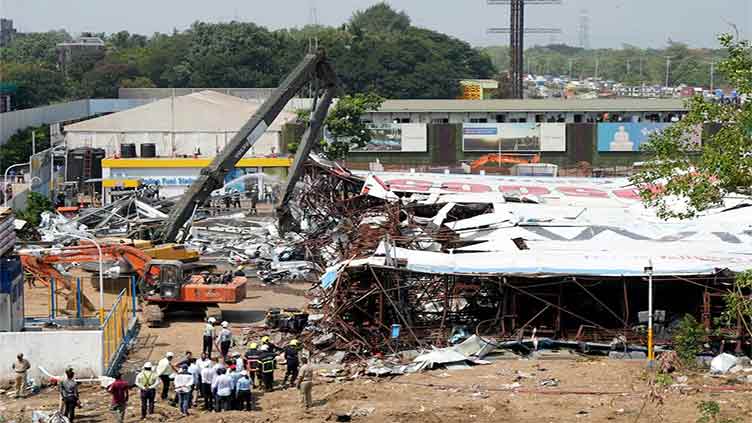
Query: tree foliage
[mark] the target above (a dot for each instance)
(629, 64)
(344, 124)
(682, 178)
(378, 51)
(688, 338)
(36, 204)
(18, 148)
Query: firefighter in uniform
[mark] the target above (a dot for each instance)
(268, 363)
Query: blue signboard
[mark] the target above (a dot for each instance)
(625, 136)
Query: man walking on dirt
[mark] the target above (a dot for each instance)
(20, 366)
(305, 383)
(147, 381)
(166, 370)
(69, 395)
(225, 340)
(119, 391)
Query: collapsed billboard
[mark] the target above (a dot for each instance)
(514, 137)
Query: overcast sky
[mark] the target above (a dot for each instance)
(646, 23)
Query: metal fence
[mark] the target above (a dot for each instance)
(118, 328)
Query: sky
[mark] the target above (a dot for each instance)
(644, 23)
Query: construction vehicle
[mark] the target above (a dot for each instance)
(163, 282)
(165, 285)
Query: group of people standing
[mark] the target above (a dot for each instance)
(222, 384)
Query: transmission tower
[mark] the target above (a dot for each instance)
(517, 33)
(584, 29)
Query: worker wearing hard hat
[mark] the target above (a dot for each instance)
(268, 363)
(293, 362)
(166, 372)
(209, 336)
(252, 358)
(266, 341)
(225, 339)
(147, 382)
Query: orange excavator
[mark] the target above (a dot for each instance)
(504, 159)
(165, 285)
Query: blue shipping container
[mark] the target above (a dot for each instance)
(10, 271)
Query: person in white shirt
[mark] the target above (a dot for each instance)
(207, 378)
(183, 389)
(208, 335)
(165, 371)
(239, 363)
(202, 363)
(225, 339)
(222, 388)
(147, 382)
(195, 373)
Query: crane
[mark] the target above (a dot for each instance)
(315, 69)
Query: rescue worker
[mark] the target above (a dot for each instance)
(202, 363)
(236, 199)
(208, 336)
(119, 391)
(266, 341)
(21, 366)
(305, 383)
(69, 395)
(243, 395)
(254, 200)
(147, 382)
(252, 357)
(166, 371)
(292, 362)
(235, 376)
(225, 339)
(207, 379)
(268, 363)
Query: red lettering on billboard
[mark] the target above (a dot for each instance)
(409, 185)
(530, 190)
(464, 187)
(582, 192)
(627, 194)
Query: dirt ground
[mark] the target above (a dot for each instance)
(588, 390)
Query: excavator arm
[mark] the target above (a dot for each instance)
(41, 264)
(313, 68)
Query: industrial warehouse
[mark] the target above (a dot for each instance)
(524, 248)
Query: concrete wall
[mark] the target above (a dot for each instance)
(53, 350)
(12, 122)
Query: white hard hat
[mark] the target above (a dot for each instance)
(264, 348)
(225, 324)
(212, 320)
(147, 365)
(169, 355)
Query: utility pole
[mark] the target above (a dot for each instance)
(649, 271)
(668, 70)
(570, 68)
(597, 63)
(33, 142)
(712, 77)
(517, 32)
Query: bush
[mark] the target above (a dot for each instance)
(36, 204)
(688, 339)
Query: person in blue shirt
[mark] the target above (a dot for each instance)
(243, 394)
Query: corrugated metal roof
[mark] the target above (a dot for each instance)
(548, 105)
(205, 111)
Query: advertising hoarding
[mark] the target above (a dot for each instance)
(626, 136)
(394, 138)
(516, 137)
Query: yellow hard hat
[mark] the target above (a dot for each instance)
(294, 342)
(264, 340)
(254, 345)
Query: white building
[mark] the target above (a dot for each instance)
(194, 125)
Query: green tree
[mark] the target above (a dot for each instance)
(37, 84)
(37, 47)
(18, 148)
(378, 18)
(36, 204)
(344, 124)
(688, 338)
(682, 178)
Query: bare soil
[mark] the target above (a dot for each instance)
(589, 390)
